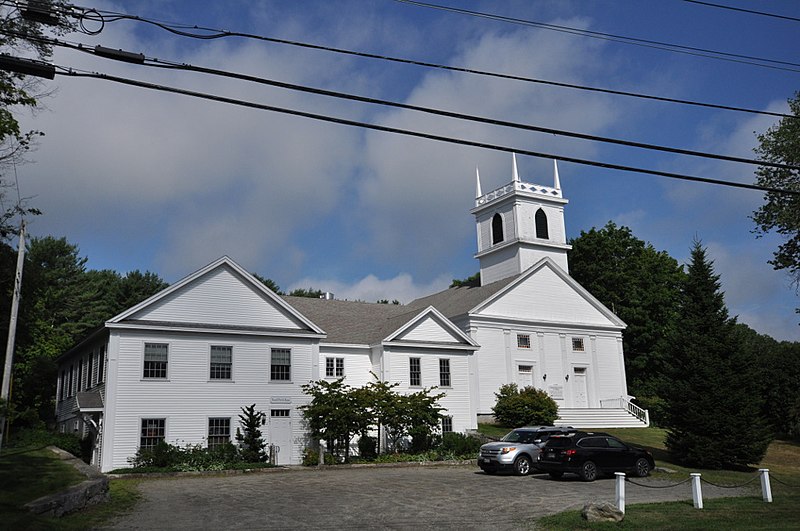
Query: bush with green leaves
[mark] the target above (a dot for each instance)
(524, 407)
(40, 437)
(459, 444)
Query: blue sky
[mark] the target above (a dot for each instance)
(147, 180)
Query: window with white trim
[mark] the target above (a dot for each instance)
(279, 412)
(89, 368)
(221, 367)
(153, 432)
(523, 341)
(334, 367)
(101, 365)
(155, 360)
(447, 424)
(414, 372)
(444, 372)
(281, 365)
(80, 375)
(577, 344)
(219, 431)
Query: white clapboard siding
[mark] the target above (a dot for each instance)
(219, 297)
(429, 330)
(545, 296)
(357, 364)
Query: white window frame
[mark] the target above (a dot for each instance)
(578, 344)
(217, 435)
(144, 362)
(524, 341)
(334, 367)
(142, 427)
(448, 419)
(411, 371)
(444, 363)
(211, 363)
(272, 365)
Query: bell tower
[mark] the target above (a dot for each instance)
(519, 224)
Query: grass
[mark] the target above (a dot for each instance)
(782, 459)
(29, 473)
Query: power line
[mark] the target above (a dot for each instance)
(646, 43)
(213, 33)
(417, 134)
(159, 63)
(740, 9)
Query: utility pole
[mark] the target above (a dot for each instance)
(12, 330)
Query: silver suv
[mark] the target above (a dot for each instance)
(518, 450)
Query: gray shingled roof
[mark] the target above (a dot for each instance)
(458, 301)
(349, 322)
(89, 400)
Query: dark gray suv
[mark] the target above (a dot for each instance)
(518, 450)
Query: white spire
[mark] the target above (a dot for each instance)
(556, 180)
(478, 192)
(515, 173)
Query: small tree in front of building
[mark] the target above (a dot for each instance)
(251, 443)
(524, 407)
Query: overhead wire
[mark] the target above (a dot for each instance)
(743, 10)
(160, 63)
(634, 41)
(418, 134)
(189, 31)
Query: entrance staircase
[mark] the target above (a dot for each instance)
(612, 413)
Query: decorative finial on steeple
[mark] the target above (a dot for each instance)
(478, 192)
(556, 180)
(514, 172)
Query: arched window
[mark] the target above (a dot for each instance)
(497, 229)
(541, 225)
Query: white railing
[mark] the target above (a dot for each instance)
(624, 403)
(516, 186)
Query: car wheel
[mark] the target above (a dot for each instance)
(642, 468)
(522, 466)
(588, 471)
(556, 475)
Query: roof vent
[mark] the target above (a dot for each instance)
(328, 296)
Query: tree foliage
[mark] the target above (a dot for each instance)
(641, 285)
(528, 406)
(268, 282)
(250, 439)
(781, 212)
(472, 281)
(714, 402)
(310, 293)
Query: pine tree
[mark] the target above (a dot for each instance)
(714, 407)
(251, 443)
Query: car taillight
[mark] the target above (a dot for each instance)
(570, 453)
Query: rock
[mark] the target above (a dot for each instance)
(601, 512)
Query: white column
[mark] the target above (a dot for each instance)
(697, 491)
(620, 491)
(766, 489)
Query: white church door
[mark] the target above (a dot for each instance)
(579, 387)
(524, 375)
(280, 435)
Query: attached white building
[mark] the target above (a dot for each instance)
(180, 365)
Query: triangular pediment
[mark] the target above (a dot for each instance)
(220, 295)
(546, 293)
(430, 326)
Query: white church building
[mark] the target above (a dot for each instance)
(180, 365)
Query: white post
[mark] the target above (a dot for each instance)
(766, 490)
(620, 491)
(697, 491)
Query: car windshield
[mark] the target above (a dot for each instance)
(520, 436)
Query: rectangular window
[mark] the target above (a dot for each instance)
(80, 374)
(577, 344)
(63, 384)
(101, 362)
(334, 367)
(70, 389)
(278, 412)
(219, 431)
(155, 360)
(89, 367)
(281, 367)
(523, 341)
(447, 424)
(153, 431)
(415, 372)
(444, 372)
(221, 362)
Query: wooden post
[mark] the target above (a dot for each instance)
(5, 391)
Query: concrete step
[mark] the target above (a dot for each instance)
(598, 418)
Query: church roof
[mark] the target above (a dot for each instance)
(457, 301)
(350, 322)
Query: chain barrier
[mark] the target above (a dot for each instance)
(629, 480)
(704, 480)
(773, 478)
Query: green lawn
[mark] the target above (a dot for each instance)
(29, 473)
(782, 459)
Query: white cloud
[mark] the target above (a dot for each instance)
(371, 288)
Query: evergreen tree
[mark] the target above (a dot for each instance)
(252, 445)
(714, 405)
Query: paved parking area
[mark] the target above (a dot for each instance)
(418, 497)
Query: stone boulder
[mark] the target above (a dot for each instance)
(601, 512)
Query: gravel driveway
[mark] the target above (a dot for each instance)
(418, 497)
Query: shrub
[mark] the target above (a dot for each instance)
(162, 455)
(367, 447)
(459, 444)
(311, 458)
(41, 437)
(656, 406)
(528, 406)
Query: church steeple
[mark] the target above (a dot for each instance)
(518, 225)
